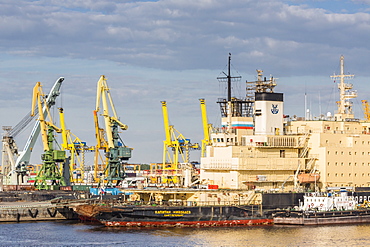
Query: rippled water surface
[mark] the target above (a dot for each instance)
(78, 234)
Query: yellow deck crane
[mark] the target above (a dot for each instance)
(366, 108)
(206, 127)
(51, 157)
(175, 146)
(109, 140)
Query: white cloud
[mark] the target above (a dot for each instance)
(86, 30)
(171, 50)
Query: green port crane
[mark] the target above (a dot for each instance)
(51, 157)
(109, 140)
(16, 162)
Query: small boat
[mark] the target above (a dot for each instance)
(308, 177)
(323, 208)
(173, 216)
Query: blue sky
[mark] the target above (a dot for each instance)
(173, 50)
(336, 6)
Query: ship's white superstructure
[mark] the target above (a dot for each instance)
(269, 152)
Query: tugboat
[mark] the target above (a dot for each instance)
(324, 208)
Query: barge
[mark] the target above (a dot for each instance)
(322, 218)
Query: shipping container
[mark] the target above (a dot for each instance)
(81, 187)
(68, 188)
(212, 187)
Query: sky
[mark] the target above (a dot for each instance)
(173, 51)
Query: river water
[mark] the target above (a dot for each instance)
(64, 233)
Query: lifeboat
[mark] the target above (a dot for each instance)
(308, 177)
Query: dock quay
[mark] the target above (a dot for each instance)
(29, 211)
(21, 206)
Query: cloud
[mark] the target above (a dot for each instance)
(157, 34)
(173, 50)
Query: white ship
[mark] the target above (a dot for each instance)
(259, 149)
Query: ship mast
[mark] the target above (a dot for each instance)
(228, 78)
(344, 105)
(230, 110)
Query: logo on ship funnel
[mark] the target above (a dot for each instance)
(274, 109)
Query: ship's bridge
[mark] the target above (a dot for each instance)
(224, 139)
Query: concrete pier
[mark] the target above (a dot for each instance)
(29, 211)
(26, 206)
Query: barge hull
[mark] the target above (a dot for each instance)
(176, 216)
(322, 221)
(322, 218)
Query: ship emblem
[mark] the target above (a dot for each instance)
(274, 109)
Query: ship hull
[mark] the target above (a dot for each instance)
(172, 216)
(179, 223)
(322, 218)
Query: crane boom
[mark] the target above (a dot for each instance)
(25, 155)
(206, 126)
(21, 125)
(102, 95)
(166, 123)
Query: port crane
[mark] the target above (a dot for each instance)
(15, 162)
(51, 157)
(108, 139)
(74, 166)
(175, 148)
